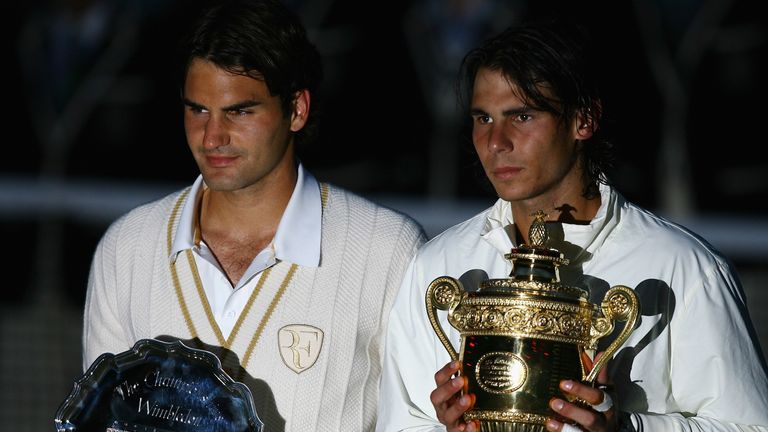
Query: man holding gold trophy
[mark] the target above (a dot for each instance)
(559, 241)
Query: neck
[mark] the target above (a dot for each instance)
(251, 212)
(571, 209)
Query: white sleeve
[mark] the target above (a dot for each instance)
(718, 379)
(677, 422)
(102, 332)
(412, 356)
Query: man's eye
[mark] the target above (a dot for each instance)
(524, 117)
(484, 119)
(238, 112)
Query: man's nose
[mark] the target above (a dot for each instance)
(215, 133)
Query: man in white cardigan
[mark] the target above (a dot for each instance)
(287, 280)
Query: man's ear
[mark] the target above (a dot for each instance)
(586, 123)
(300, 110)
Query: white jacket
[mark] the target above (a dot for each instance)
(691, 364)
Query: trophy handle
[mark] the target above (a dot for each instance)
(444, 293)
(619, 304)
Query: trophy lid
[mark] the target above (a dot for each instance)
(535, 269)
(535, 261)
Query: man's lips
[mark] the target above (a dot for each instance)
(218, 161)
(506, 172)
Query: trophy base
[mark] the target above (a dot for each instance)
(507, 421)
(503, 426)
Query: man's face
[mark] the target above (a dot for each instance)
(236, 130)
(528, 155)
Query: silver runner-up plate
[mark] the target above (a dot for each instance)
(158, 387)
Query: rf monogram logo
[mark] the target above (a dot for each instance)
(299, 346)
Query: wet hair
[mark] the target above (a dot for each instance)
(550, 63)
(262, 39)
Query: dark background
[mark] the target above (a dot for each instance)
(93, 126)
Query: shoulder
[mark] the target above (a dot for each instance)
(657, 228)
(456, 250)
(461, 251)
(643, 229)
(148, 216)
(357, 212)
(463, 235)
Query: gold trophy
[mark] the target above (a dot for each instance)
(522, 335)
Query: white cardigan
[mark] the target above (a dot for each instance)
(342, 305)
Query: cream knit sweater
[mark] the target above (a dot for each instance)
(310, 341)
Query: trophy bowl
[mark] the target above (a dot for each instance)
(522, 335)
(158, 386)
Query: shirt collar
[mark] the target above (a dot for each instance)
(298, 235)
(499, 224)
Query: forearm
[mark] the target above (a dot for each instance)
(677, 422)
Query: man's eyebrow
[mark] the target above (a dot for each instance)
(507, 112)
(233, 107)
(525, 109)
(240, 105)
(191, 104)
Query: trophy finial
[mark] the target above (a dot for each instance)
(534, 261)
(537, 234)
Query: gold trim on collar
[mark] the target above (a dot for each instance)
(204, 299)
(267, 315)
(197, 236)
(323, 194)
(174, 274)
